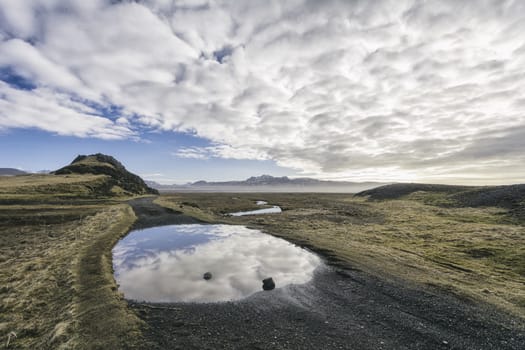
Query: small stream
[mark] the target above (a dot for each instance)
(273, 210)
(206, 263)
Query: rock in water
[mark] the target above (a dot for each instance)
(268, 283)
(207, 276)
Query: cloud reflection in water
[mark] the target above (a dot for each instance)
(167, 263)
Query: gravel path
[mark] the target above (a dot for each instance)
(341, 308)
(150, 214)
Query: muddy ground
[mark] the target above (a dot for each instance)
(341, 308)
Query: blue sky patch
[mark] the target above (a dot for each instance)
(17, 81)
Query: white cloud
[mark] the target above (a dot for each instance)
(54, 112)
(192, 153)
(218, 151)
(400, 89)
(31, 64)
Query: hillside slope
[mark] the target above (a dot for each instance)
(510, 196)
(101, 164)
(396, 191)
(11, 172)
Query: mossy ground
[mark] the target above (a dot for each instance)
(475, 253)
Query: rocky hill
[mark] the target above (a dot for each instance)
(120, 179)
(510, 196)
(399, 190)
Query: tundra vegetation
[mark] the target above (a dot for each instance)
(57, 289)
(425, 237)
(56, 281)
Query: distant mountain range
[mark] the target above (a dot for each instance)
(14, 172)
(11, 172)
(267, 183)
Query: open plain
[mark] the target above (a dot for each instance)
(419, 271)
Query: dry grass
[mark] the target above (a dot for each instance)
(52, 188)
(104, 321)
(57, 289)
(94, 162)
(34, 181)
(476, 253)
(56, 282)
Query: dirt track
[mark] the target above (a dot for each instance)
(341, 308)
(150, 214)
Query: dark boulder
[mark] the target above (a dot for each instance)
(268, 284)
(207, 276)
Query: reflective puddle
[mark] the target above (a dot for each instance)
(206, 263)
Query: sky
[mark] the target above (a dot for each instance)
(179, 91)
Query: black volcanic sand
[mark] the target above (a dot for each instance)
(150, 214)
(341, 308)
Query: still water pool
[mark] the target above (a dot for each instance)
(272, 210)
(169, 263)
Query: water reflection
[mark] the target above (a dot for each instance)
(274, 209)
(261, 202)
(167, 263)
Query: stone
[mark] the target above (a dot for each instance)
(207, 276)
(268, 284)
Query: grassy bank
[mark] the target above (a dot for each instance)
(56, 284)
(30, 189)
(104, 321)
(475, 253)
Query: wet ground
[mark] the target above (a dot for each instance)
(341, 308)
